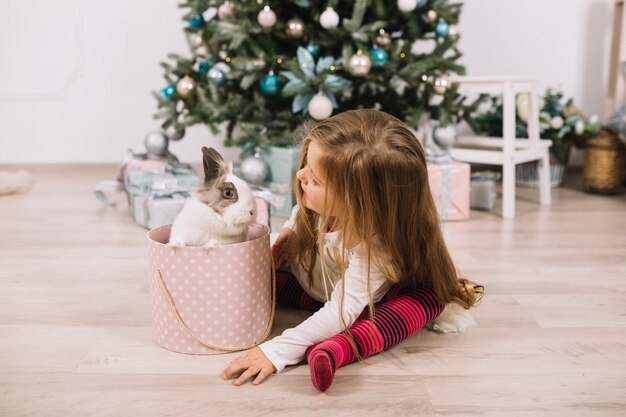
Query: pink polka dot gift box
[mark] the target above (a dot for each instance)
(210, 301)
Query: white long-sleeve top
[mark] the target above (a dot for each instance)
(290, 347)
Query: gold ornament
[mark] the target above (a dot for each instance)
(382, 39)
(360, 64)
(440, 86)
(185, 86)
(295, 28)
(432, 16)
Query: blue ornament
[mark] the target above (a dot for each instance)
(270, 84)
(203, 67)
(313, 49)
(379, 56)
(168, 91)
(196, 22)
(421, 3)
(442, 28)
(216, 75)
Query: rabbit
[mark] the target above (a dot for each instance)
(219, 212)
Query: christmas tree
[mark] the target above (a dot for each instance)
(262, 67)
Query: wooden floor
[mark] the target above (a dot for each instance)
(75, 336)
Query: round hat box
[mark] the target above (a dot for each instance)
(210, 301)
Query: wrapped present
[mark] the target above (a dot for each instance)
(169, 179)
(450, 187)
(279, 197)
(284, 204)
(156, 197)
(283, 199)
(282, 162)
(483, 193)
(136, 161)
(283, 165)
(152, 211)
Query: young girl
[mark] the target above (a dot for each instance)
(365, 233)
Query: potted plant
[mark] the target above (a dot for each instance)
(559, 121)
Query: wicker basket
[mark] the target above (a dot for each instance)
(604, 163)
(527, 174)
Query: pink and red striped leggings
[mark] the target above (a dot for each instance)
(402, 312)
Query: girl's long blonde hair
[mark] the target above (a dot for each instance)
(376, 182)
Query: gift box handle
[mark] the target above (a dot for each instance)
(170, 301)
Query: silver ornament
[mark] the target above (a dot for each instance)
(175, 132)
(445, 136)
(156, 143)
(185, 86)
(432, 16)
(295, 28)
(382, 39)
(440, 86)
(254, 169)
(360, 64)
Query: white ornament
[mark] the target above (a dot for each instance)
(329, 19)
(556, 122)
(407, 5)
(320, 107)
(594, 119)
(266, 17)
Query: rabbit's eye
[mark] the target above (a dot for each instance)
(228, 193)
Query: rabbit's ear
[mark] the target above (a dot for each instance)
(214, 166)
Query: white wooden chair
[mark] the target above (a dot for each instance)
(507, 151)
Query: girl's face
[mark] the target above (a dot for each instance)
(313, 186)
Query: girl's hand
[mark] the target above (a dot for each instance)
(284, 249)
(250, 364)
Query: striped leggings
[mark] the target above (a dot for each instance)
(403, 311)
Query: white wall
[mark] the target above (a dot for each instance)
(76, 75)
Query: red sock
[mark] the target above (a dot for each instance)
(322, 367)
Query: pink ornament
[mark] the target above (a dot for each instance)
(266, 17)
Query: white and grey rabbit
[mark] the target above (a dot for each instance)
(218, 213)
